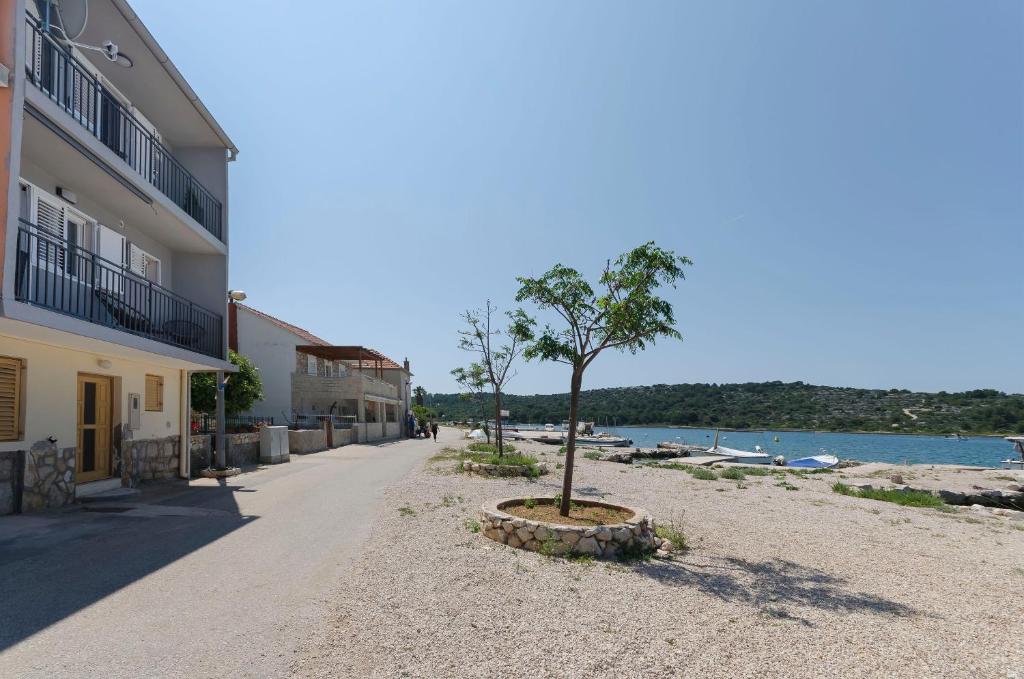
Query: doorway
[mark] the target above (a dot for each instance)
(92, 458)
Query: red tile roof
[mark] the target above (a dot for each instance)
(304, 334)
(335, 351)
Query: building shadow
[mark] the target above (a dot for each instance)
(771, 586)
(54, 564)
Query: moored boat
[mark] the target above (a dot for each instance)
(604, 441)
(814, 462)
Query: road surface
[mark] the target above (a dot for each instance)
(220, 579)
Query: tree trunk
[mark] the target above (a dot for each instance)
(497, 423)
(570, 444)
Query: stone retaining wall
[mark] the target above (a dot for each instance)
(9, 481)
(307, 440)
(49, 477)
(243, 449)
(200, 449)
(636, 533)
(149, 460)
(506, 469)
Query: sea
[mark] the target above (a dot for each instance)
(977, 451)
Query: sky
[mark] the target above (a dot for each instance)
(848, 178)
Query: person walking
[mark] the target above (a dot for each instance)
(433, 429)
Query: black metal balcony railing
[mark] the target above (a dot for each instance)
(52, 273)
(65, 80)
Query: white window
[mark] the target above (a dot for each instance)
(311, 364)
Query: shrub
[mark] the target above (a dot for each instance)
(734, 474)
(472, 525)
(906, 498)
(702, 473)
(671, 533)
(490, 448)
(592, 455)
(529, 503)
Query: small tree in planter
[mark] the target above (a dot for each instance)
(495, 366)
(625, 314)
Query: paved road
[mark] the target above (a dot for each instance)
(214, 580)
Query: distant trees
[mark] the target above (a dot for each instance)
(419, 393)
(767, 406)
(624, 314)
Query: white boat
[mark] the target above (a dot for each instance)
(814, 462)
(549, 427)
(744, 456)
(1018, 445)
(603, 441)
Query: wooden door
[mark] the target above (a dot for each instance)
(92, 459)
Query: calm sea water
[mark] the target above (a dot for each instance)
(978, 451)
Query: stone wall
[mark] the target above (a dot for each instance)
(148, 460)
(306, 440)
(9, 481)
(243, 449)
(200, 449)
(342, 437)
(49, 477)
(636, 533)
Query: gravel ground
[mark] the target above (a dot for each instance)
(776, 582)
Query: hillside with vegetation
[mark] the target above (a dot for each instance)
(767, 405)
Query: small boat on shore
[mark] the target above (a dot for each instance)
(814, 462)
(743, 456)
(1018, 446)
(603, 441)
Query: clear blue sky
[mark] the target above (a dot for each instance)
(847, 176)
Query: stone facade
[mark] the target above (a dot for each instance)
(506, 469)
(49, 477)
(307, 440)
(148, 460)
(9, 481)
(637, 533)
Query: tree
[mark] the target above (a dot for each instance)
(473, 383)
(626, 315)
(422, 414)
(243, 389)
(495, 364)
(420, 393)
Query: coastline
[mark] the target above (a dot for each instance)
(791, 429)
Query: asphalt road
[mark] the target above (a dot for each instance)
(214, 580)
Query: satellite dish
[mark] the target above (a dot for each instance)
(72, 16)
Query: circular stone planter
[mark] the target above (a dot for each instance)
(605, 541)
(506, 469)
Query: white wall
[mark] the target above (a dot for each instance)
(271, 348)
(51, 392)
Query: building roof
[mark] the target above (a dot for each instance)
(294, 329)
(362, 357)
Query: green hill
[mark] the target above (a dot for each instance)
(768, 405)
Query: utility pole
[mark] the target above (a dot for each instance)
(222, 454)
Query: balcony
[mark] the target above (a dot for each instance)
(58, 275)
(66, 81)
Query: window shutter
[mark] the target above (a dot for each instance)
(51, 219)
(154, 392)
(10, 398)
(136, 260)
